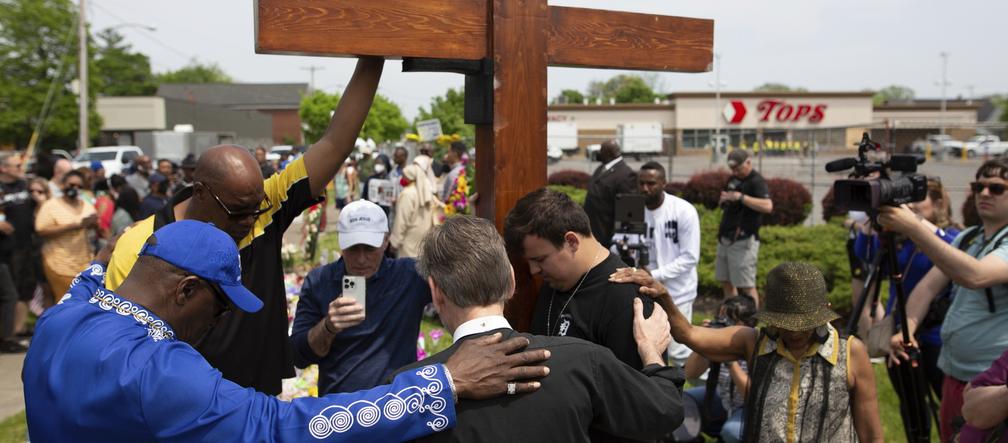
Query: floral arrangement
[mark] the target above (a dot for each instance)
(313, 219)
(458, 201)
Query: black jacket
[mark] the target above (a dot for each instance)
(600, 203)
(588, 395)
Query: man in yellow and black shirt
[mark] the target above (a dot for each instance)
(229, 191)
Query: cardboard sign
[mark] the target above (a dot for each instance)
(429, 130)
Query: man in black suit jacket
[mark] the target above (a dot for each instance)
(612, 177)
(588, 394)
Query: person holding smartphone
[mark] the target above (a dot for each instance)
(358, 318)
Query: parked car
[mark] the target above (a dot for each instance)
(113, 158)
(984, 145)
(274, 153)
(940, 145)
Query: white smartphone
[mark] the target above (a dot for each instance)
(353, 287)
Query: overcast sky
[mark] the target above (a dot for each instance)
(823, 46)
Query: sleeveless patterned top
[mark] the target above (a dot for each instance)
(800, 400)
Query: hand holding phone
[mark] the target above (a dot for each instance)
(354, 287)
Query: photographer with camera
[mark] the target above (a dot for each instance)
(934, 212)
(744, 202)
(721, 402)
(671, 240)
(973, 333)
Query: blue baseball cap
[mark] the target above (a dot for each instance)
(206, 251)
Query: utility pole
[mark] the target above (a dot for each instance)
(944, 84)
(83, 80)
(969, 92)
(716, 146)
(311, 69)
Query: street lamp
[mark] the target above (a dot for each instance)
(82, 100)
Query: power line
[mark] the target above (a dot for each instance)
(187, 57)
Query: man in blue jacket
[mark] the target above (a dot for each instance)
(119, 366)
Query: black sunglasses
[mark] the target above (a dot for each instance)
(237, 214)
(995, 188)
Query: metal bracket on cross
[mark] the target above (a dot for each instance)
(478, 83)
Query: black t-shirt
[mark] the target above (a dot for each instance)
(600, 312)
(739, 221)
(252, 349)
(19, 210)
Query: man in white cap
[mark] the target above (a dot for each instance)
(357, 347)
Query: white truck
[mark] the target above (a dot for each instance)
(112, 158)
(984, 145)
(561, 137)
(640, 139)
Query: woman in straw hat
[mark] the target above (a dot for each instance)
(808, 384)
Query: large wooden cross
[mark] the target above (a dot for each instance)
(514, 41)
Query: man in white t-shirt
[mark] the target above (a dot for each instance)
(673, 240)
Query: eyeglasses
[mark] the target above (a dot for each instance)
(239, 214)
(995, 188)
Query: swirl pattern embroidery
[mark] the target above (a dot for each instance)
(157, 330)
(393, 406)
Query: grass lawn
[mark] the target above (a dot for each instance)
(14, 429)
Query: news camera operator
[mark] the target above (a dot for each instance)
(672, 241)
(744, 202)
(976, 263)
(935, 214)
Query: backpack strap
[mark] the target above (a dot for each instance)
(967, 241)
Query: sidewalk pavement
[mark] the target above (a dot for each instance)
(11, 390)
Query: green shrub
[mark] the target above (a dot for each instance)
(578, 195)
(823, 245)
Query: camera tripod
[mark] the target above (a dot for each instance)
(908, 378)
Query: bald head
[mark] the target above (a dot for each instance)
(228, 186)
(228, 166)
(60, 168)
(609, 151)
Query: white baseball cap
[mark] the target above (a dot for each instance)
(362, 222)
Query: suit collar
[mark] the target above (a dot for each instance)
(480, 325)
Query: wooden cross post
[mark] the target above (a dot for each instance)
(504, 47)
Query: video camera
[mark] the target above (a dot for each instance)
(630, 222)
(860, 193)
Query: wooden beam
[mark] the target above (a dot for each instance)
(624, 40)
(511, 153)
(392, 28)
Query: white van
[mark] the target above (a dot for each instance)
(113, 158)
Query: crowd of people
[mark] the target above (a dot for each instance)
(161, 334)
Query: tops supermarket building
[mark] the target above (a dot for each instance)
(772, 121)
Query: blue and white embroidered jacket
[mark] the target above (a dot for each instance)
(103, 369)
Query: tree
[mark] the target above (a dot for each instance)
(623, 88)
(384, 121)
(450, 110)
(778, 87)
(892, 93)
(38, 49)
(195, 72)
(569, 96)
(121, 71)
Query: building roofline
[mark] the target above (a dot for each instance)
(761, 94)
(613, 107)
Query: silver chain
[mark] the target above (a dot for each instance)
(549, 311)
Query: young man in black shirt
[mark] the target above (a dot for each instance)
(744, 202)
(553, 234)
(17, 226)
(589, 394)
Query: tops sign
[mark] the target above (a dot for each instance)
(776, 110)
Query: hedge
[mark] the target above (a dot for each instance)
(823, 245)
(569, 177)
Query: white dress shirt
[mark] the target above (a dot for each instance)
(480, 324)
